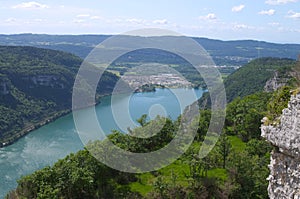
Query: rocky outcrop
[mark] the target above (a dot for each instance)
(4, 87)
(284, 179)
(276, 82)
(52, 81)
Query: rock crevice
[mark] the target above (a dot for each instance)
(284, 178)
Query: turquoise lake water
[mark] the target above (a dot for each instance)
(54, 141)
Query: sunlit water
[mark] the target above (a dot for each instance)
(54, 141)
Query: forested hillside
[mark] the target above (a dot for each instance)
(237, 167)
(35, 88)
(253, 77)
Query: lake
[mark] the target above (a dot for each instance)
(54, 141)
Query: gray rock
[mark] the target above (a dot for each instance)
(276, 82)
(284, 179)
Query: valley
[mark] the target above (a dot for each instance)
(35, 102)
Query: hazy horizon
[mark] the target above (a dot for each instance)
(99, 34)
(275, 21)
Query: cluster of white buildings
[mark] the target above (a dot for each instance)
(167, 80)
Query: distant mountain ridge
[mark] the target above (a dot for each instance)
(235, 53)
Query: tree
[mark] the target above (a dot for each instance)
(223, 148)
(258, 147)
(204, 121)
(243, 116)
(249, 174)
(142, 120)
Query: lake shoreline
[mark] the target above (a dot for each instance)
(27, 129)
(59, 137)
(56, 115)
(44, 121)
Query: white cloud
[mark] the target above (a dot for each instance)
(267, 12)
(238, 8)
(10, 20)
(293, 15)
(279, 2)
(78, 21)
(160, 21)
(274, 24)
(136, 21)
(87, 16)
(83, 15)
(95, 17)
(30, 5)
(210, 16)
(241, 26)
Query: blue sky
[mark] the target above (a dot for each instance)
(268, 20)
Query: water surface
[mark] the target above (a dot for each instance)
(54, 141)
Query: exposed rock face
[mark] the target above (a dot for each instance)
(52, 81)
(276, 82)
(284, 179)
(4, 87)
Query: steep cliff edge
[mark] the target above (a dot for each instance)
(284, 178)
(277, 81)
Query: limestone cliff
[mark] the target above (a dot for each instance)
(277, 81)
(284, 179)
(52, 81)
(4, 86)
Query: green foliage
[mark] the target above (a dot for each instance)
(224, 148)
(248, 173)
(243, 116)
(278, 102)
(252, 77)
(142, 139)
(258, 147)
(76, 176)
(235, 168)
(236, 143)
(204, 121)
(142, 120)
(143, 185)
(39, 84)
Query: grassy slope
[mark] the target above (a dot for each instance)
(146, 180)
